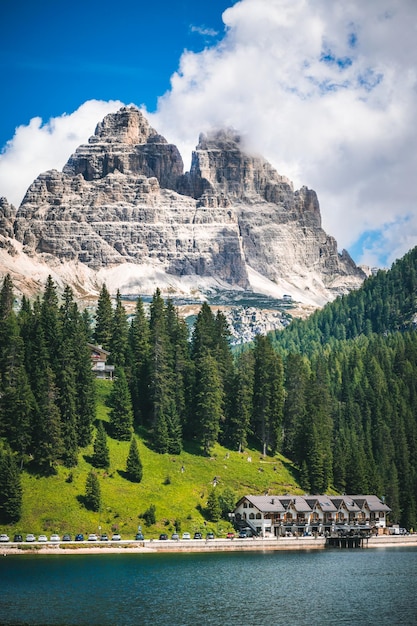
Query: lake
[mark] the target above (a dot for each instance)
(369, 586)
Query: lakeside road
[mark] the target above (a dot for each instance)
(213, 545)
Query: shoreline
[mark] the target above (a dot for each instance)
(216, 545)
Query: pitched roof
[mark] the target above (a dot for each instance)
(373, 503)
(265, 504)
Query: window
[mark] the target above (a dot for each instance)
(258, 516)
(251, 515)
(245, 505)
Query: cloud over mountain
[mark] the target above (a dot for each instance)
(326, 91)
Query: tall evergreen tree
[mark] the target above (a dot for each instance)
(101, 453)
(51, 323)
(238, 426)
(92, 496)
(295, 409)
(174, 430)
(6, 297)
(134, 467)
(104, 319)
(121, 413)
(6, 315)
(17, 403)
(208, 401)
(161, 380)
(139, 352)
(119, 334)
(47, 432)
(85, 385)
(11, 488)
(268, 397)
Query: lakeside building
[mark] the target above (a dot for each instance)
(271, 515)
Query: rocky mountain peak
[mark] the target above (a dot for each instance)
(125, 142)
(123, 201)
(128, 126)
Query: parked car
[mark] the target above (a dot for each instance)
(79, 537)
(30, 537)
(175, 537)
(55, 538)
(66, 537)
(18, 538)
(4, 538)
(104, 537)
(243, 534)
(139, 537)
(163, 537)
(186, 536)
(42, 538)
(230, 535)
(198, 536)
(116, 537)
(92, 537)
(210, 536)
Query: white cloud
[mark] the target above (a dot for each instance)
(327, 92)
(39, 146)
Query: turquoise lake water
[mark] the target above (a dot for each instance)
(320, 587)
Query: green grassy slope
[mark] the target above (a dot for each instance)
(54, 504)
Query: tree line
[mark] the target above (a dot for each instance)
(342, 408)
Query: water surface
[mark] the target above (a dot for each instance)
(370, 586)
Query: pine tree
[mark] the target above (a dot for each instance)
(238, 426)
(85, 385)
(66, 400)
(48, 425)
(174, 430)
(11, 488)
(51, 323)
(92, 492)
(139, 353)
(6, 314)
(104, 319)
(17, 403)
(268, 397)
(134, 468)
(160, 434)
(121, 414)
(6, 297)
(101, 454)
(119, 334)
(208, 401)
(161, 378)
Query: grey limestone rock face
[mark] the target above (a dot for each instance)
(125, 142)
(124, 197)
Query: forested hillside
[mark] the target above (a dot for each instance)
(336, 394)
(350, 412)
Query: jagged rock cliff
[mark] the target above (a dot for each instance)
(122, 200)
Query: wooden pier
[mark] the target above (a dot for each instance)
(348, 541)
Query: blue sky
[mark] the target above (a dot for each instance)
(326, 91)
(56, 55)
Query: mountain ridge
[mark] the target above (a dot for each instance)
(122, 211)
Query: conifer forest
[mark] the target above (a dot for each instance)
(336, 393)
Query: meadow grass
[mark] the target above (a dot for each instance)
(178, 486)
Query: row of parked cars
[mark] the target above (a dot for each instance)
(185, 536)
(54, 538)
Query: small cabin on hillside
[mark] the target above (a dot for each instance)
(99, 365)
